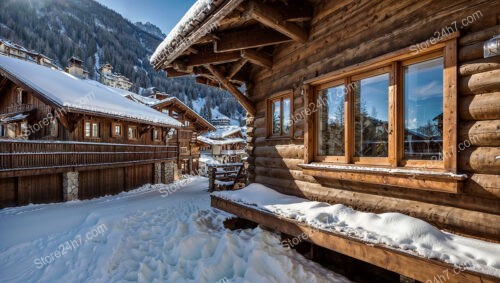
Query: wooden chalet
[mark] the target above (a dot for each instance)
(65, 138)
(186, 137)
(225, 144)
(316, 71)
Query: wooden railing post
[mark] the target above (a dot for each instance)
(211, 178)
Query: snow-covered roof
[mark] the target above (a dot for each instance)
(136, 97)
(220, 142)
(77, 95)
(189, 29)
(17, 117)
(222, 132)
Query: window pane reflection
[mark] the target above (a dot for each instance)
(423, 100)
(276, 118)
(371, 103)
(286, 116)
(331, 122)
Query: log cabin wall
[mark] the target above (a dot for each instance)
(344, 33)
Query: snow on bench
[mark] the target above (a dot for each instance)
(396, 230)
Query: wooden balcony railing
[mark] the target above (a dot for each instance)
(40, 155)
(16, 109)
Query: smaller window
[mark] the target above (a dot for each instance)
(95, 130)
(279, 113)
(165, 111)
(117, 130)
(156, 135)
(132, 133)
(186, 123)
(54, 128)
(88, 130)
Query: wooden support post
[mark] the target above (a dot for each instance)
(236, 68)
(211, 178)
(242, 99)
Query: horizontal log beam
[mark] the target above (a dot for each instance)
(480, 83)
(206, 58)
(271, 17)
(480, 107)
(480, 160)
(258, 58)
(242, 99)
(479, 66)
(172, 73)
(480, 133)
(251, 38)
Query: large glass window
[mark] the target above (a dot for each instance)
(371, 120)
(423, 111)
(331, 122)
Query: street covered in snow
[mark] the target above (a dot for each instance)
(157, 233)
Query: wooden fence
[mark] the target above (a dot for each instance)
(225, 176)
(23, 155)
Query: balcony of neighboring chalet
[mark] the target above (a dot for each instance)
(36, 157)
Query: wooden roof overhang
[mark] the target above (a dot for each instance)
(199, 122)
(67, 115)
(223, 46)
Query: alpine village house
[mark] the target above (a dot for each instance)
(186, 137)
(383, 106)
(64, 137)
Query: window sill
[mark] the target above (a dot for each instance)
(278, 138)
(429, 180)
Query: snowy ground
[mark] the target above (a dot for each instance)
(142, 236)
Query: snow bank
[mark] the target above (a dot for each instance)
(66, 90)
(149, 238)
(396, 230)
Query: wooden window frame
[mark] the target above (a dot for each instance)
(269, 115)
(113, 132)
(136, 133)
(393, 63)
(92, 135)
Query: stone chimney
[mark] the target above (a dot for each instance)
(75, 68)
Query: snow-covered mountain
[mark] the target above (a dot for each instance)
(86, 29)
(151, 29)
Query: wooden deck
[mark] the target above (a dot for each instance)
(22, 158)
(422, 269)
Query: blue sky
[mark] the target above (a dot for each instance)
(162, 13)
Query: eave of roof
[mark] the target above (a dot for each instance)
(206, 12)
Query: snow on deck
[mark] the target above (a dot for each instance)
(66, 90)
(396, 230)
(147, 238)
